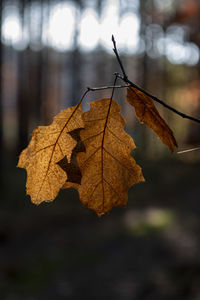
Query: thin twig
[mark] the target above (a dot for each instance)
(118, 58)
(93, 89)
(188, 150)
(107, 87)
(126, 80)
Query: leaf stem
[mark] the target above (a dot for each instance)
(83, 96)
(113, 89)
(126, 80)
(103, 137)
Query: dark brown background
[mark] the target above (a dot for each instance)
(60, 250)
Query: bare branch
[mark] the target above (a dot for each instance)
(126, 80)
(118, 58)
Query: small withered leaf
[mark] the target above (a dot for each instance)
(108, 170)
(146, 112)
(80, 147)
(50, 144)
(71, 168)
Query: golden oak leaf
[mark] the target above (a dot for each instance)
(49, 144)
(107, 168)
(146, 112)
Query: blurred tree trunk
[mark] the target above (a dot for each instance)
(39, 69)
(23, 87)
(1, 104)
(144, 23)
(49, 76)
(144, 63)
(76, 64)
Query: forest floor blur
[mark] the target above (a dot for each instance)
(60, 250)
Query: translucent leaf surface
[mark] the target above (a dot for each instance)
(50, 144)
(108, 170)
(146, 112)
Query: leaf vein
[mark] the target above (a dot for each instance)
(91, 155)
(117, 160)
(117, 137)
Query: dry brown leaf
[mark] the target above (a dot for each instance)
(107, 168)
(49, 144)
(146, 112)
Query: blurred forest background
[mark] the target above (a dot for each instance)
(50, 51)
